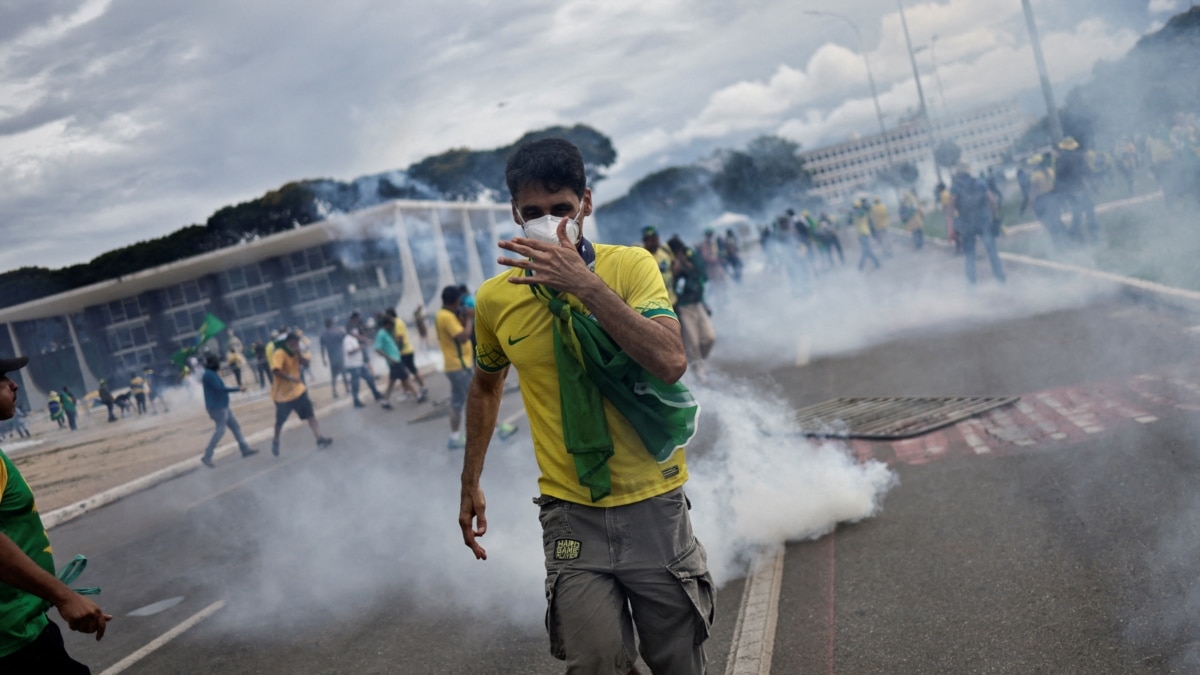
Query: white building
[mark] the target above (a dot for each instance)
(984, 134)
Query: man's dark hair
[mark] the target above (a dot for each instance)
(553, 162)
(212, 362)
(390, 311)
(328, 323)
(451, 295)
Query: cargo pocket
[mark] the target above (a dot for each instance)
(691, 569)
(552, 627)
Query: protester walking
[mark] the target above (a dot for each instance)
(289, 392)
(690, 276)
(216, 402)
(620, 553)
(107, 399)
(975, 210)
(69, 406)
(454, 337)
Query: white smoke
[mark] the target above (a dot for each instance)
(762, 483)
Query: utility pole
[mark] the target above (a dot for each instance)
(933, 140)
(1056, 132)
(862, 49)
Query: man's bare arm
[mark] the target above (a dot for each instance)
(20, 571)
(483, 406)
(655, 344)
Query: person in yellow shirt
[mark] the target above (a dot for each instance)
(288, 390)
(860, 217)
(662, 256)
(625, 556)
(408, 353)
(236, 361)
(454, 337)
(879, 226)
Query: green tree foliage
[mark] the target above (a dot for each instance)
(459, 174)
(767, 175)
(673, 199)
(464, 174)
(769, 169)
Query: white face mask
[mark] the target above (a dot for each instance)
(545, 228)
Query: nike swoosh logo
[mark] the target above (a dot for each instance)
(512, 342)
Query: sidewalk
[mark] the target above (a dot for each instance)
(70, 468)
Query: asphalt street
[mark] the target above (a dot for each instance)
(1063, 542)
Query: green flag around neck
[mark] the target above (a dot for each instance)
(591, 368)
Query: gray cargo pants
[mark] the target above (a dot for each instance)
(611, 569)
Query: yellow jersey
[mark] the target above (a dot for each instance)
(456, 354)
(512, 326)
(283, 390)
(400, 332)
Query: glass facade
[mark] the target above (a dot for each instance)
(362, 270)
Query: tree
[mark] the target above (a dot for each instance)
(769, 169)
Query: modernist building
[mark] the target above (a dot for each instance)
(399, 254)
(984, 134)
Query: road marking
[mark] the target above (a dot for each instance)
(754, 633)
(163, 639)
(247, 479)
(156, 607)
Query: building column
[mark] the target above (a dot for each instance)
(410, 297)
(36, 397)
(474, 266)
(445, 271)
(90, 381)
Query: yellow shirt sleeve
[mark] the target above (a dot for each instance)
(489, 352)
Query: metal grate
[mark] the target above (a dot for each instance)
(893, 417)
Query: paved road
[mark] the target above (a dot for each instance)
(1054, 536)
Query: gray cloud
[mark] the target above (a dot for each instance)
(127, 120)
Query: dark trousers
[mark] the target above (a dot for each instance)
(360, 373)
(989, 245)
(237, 375)
(46, 654)
(111, 416)
(263, 371)
(141, 403)
(71, 419)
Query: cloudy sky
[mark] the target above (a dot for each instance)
(122, 120)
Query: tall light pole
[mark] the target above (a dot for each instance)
(936, 75)
(920, 92)
(862, 49)
(1056, 132)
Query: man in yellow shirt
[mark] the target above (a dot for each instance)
(627, 557)
(408, 353)
(288, 390)
(454, 337)
(662, 256)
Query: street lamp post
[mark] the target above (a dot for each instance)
(920, 91)
(862, 49)
(1056, 132)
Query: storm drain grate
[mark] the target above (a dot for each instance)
(893, 417)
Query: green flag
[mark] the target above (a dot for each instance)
(211, 327)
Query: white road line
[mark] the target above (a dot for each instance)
(163, 639)
(754, 633)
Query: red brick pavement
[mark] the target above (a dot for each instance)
(1046, 419)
